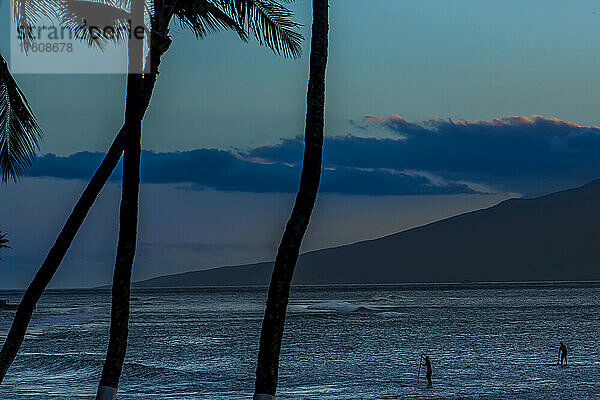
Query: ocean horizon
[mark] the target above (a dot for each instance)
(466, 284)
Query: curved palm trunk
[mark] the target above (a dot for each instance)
(58, 251)
(289, 249)
(55, 256)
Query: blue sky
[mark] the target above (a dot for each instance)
(227, 115)
(463, 59)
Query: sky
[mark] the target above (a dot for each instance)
(433, 108)
(460, 59)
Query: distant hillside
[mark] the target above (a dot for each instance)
(554, 237)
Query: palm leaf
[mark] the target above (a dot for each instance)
(19, 131)
(4, 241)
(35, 10)
(270, 22)
(204, 17)
(267, 20)
(88, 19)
(28, 13)
(74, 14)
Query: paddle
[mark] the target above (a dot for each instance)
(419, 374)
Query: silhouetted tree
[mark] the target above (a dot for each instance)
(129, 205)
(3, 242)
(80, 211)
(267, 20)
(128, 216)
(289, 249)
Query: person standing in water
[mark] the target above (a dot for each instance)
(427, 363)
(562, 353)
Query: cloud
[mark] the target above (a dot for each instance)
(527, 154)
(229, 171)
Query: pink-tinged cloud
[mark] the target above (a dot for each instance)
(523, 121)
(375, 118)
(526, 154)
(505, 121)
(522, 126)
(393, 118)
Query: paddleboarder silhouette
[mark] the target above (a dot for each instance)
(425, 361)
(562, 353)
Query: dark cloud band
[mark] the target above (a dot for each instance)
(522, 154)
(526, 154)
(227, 171)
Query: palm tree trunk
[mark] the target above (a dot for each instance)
(289, 249)
(121, 288)
(58, 251)
(119, 329)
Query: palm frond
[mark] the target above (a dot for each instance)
(270, 22)
(33, 11)
(19, 131)
(204, 17)
(4, 241)
(89, 20)
(28, 13)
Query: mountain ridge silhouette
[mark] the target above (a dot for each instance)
(555, 237)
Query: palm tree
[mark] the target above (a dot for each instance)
(267, 20)
(289, 248)
(19, 131)
(56, 254)
(3, 242)
(117, 347)
(119, 329)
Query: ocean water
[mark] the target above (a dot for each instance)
(362, 342)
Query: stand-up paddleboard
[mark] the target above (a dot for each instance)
(262, 396)
(404, 383)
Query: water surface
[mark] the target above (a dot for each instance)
(363, 342)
